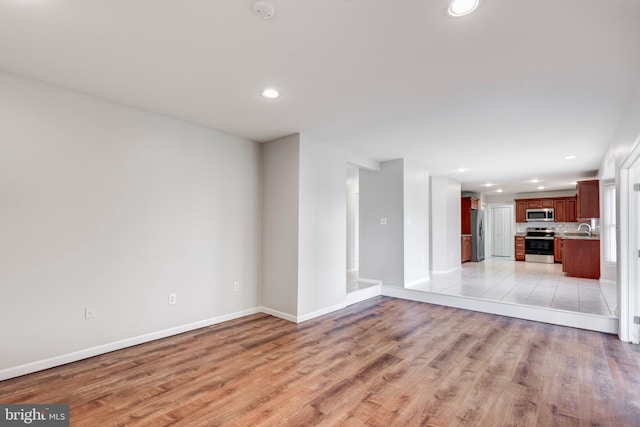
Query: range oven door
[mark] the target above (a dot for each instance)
(538, 249)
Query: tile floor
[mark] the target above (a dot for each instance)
(541, 285)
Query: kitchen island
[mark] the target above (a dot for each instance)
(581, 255)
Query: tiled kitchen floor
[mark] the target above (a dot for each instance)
(541, 285)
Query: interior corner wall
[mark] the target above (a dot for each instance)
(322, 228)
(445, 224)
(280, 211)
(108, 206)
(416, 219)
(382, 245)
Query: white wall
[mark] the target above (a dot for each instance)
(382, 246)
(305, 227)
(105, 205)
(281, 175)
(322, 279)
(445, 224)
(396, 253)
(416, 224)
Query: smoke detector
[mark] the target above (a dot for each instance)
(264, 9)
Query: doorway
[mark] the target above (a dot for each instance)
(502, 231)
(628, 236)
(353, 216)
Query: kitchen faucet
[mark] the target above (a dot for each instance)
(588, 226)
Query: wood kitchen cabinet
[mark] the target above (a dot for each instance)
(521, 211)
(557, 249)
(560, 209)
(588, 199)
(519, 246)
(581, 258)
(467, 204)
(466, 248)
(564, 208)
(571, 214)
(539, 203)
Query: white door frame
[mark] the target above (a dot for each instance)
(627, 237)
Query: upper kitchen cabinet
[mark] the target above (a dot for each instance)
(588, 199)
(539, 203)
(521, 211)
(560, 208)
(571, 210)
(564, 208)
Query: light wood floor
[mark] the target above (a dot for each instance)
(382, 362)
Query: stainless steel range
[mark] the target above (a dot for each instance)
(538, 245)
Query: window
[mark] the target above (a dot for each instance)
(609, 222)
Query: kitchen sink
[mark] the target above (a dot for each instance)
(581, 234)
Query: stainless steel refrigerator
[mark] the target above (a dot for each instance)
(477, 235)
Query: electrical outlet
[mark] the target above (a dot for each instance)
(89, 312)
(236, 286)
(172, 299)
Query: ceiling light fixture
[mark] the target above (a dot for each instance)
(570, 157)
(541, 187)
(264, 10)
(270, 93)
(462, 7)
(499, 190)
(460, 170)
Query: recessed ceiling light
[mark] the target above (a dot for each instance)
(570, 157)
(462, 7)
(264, 10)
(460, 170)
(541, 187)
(488, 185)
(499, 190)
(270, 93)
(535, 180)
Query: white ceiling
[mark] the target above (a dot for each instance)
(506, 92)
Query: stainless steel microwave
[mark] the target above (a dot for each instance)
(542, 215)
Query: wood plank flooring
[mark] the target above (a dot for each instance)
(383, 362)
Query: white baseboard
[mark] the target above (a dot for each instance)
(299, 319)
(63, 359)
(608, 282)
(417, 282)
(281, 314)
(452, 270)
(364, 294)
(371, 281)
(320, 312)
